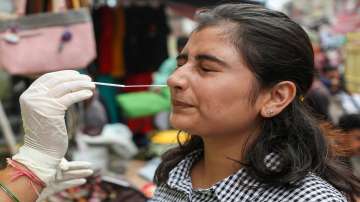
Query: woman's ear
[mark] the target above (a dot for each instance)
(280, 96)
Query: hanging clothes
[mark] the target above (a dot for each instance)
(139, 126)
(145, 49)
(33, 7)
(96, 18)
(146, 38)
(118, 70)
(105, 40)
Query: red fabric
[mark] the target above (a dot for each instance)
(145, 124)
(138, 79)
(106, 40)
(141, 125)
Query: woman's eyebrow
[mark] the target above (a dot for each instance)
(203, 57)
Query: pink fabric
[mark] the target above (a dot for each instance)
(24, 172)
(347, 22)
(20, 171)
(39, 53)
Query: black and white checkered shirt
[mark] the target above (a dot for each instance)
(242, 187)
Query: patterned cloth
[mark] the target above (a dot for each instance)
(242, 187)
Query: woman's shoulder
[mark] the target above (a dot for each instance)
(312, 188)
(320, 189)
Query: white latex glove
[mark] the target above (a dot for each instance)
(43, 107)
(70, 174)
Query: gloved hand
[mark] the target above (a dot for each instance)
(70, 174)
(43, 107)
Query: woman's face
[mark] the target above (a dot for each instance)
(211, 87)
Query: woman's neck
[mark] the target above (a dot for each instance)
(220, 160)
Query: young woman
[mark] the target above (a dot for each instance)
(238, 90)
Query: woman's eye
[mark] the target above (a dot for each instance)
(205, 69)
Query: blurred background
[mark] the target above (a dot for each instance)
(124, 131)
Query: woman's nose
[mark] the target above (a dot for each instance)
(178, 79)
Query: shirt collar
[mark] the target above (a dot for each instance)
(179, 176)
(234, 185)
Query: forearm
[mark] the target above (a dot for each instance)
(21, 187)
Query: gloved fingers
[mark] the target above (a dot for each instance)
(74, 165)
(63, 165)
(52, 78)
(75, 97)
(69, 87)
(70, 183)
(59, 79)
(75, 174)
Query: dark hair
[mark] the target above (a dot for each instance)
(275, 49)
(349, 122)
(181, 41)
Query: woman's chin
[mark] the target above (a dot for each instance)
(182, 123)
